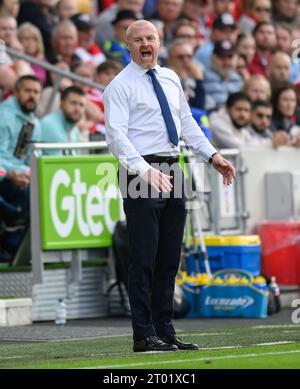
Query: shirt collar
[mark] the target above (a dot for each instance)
(142, 71)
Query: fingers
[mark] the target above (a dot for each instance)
(233, 171)
(228, 179)
(165, 182)
(229, 173)
(159, 181)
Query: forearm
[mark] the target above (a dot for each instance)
(125, 152)
(196, 140)
(192, 134)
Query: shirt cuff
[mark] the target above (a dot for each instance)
(141, 167)
(208, 152)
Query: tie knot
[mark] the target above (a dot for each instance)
(151, 72)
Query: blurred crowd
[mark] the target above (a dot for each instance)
(238, 62)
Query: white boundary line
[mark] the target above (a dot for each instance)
(264, 326)
(206, 334)
(234, 356)
(275, 343)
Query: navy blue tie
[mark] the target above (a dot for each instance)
(165, 108)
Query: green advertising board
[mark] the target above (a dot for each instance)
(79, 201)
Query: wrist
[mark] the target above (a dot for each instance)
(210, 160)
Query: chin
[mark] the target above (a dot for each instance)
(146, 65)
(29, 109)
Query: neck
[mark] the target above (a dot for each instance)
(257, 130)
(144, 67)
(236, 125)
(263, 52)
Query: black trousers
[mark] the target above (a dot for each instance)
(155, 229)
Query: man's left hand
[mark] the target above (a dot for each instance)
(225, 168)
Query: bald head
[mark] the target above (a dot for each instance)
(65, 38)
(139, 25)
(279, 69)
(143, 43)
(61, 27)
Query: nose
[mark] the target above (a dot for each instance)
(145, 42)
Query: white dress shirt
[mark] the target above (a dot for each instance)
(134, 124)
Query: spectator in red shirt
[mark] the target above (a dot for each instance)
(199, 12)
(265, 39)
(87, 49)
(93, 114)
(105, 73)
(246, 45)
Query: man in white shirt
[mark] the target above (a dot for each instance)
(146, 113)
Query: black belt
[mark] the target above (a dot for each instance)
(152, 158)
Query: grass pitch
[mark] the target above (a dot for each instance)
(276, 347)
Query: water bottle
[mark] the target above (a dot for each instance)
(61, 312)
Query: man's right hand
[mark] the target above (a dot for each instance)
(158, 180)
(21, 180)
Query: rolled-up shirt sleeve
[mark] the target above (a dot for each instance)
(191, 133)
(116, 129)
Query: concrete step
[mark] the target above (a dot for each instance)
(288, 293)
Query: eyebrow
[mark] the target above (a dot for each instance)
(141, 37)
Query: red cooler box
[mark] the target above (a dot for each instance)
(280, 243)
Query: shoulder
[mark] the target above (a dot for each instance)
(120, 84)
(206, 48)
(235, 77)
(37, 124)
(7, 113)
(219, 117)
(171, 75)
(167, 72)
(211, 75)
(49, 119)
